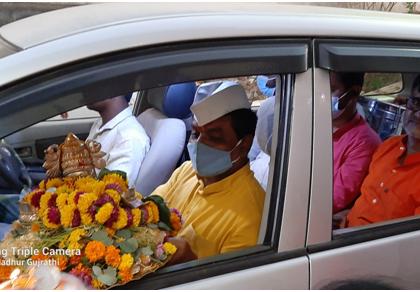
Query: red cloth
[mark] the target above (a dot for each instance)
(354, 145)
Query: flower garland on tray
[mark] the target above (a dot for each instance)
(101, 237)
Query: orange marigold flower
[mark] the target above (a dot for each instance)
(5, 272)
(39, 257)
(74, 260)
(125, 275)
(95, 251)
(35, 227)
(61, 262)
(112, 256)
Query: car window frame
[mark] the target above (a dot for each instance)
(186, 62)
(327, 56)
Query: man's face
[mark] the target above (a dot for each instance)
(338, 89)
(412, 115)
(218, 134)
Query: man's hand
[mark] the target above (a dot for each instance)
(340, 219)
(183, 253)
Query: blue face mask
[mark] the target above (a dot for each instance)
(336, 112)
(262, 86)
(209, 161)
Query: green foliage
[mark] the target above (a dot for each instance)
(107, 276)
(102, 236)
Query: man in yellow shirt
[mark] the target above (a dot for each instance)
(216, 192)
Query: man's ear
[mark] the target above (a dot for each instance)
(246, 144)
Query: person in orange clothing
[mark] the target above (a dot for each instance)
(391, 190)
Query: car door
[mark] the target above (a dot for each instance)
(279, 260)
(386, 252)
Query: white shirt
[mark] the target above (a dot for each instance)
(125, 142)
(260, 166)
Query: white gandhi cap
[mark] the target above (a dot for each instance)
(215, 99)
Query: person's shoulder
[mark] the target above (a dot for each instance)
(131, 129)
(392, 142)
(365, 133)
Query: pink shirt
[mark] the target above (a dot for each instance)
(354, 145)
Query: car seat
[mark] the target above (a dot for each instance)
(263, 137)
(164, 124)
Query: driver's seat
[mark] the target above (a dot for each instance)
(165, 126)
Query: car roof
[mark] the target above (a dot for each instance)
(51, 25)
(52, 39)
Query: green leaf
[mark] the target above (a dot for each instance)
(107, 276)
(102, 236)
(85, 261)
(164, 226)
(124, 233)
(164, 212)
(105, 171)
(128, 246)
(97, 271)
(147, 251)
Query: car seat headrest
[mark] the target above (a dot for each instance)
(173, 101)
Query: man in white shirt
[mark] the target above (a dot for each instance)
(122, 137)
(263, 136)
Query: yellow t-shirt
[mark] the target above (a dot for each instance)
(223, 216)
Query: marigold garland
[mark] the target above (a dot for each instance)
(104, 213)
(97, 206)
(122, 219)
(136, 217)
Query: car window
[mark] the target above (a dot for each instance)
(266, 205)
(373, 167)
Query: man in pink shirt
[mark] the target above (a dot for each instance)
(354, 142)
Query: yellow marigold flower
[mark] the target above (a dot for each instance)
(95, 251)
(70, 198)
(67, 215)
(76, 235)
(153, 210)
(110, 231)
(114, 195)
(122, 219)
(97, 284)
(42, 184)
(81, 182)
(85, 201)
(53, 183)
(43, 203)
(169, 248)
(104, 213)
(62, 244)
(64, 189)
(75, 245)
(61, 200)
(136, 216)
(112, 257)
(126, 262)
(113, 178)
(86, 218)
(125, 275)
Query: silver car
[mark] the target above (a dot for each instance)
(62, 60)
